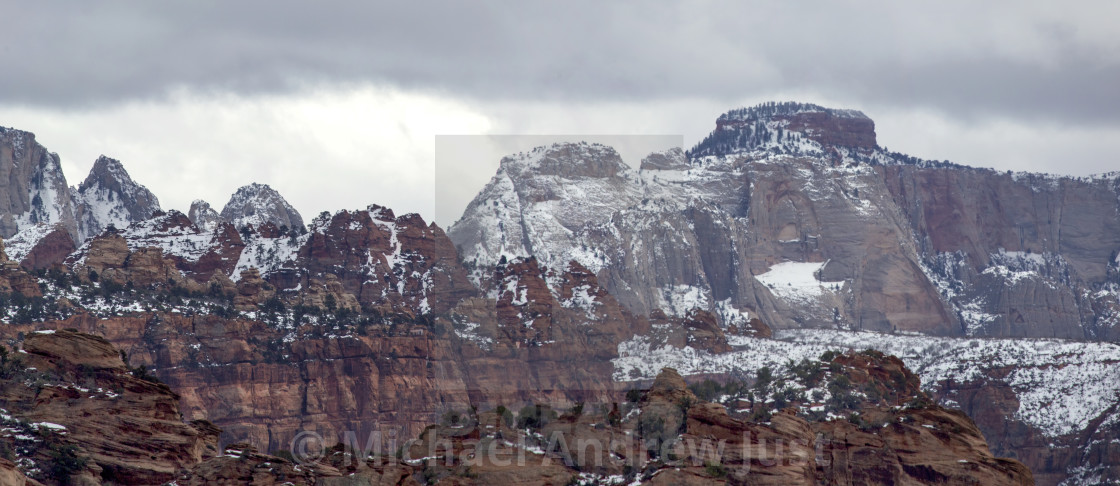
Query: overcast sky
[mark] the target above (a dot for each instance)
(338, 104)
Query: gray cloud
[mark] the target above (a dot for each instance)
(200, 97)
(969, 60)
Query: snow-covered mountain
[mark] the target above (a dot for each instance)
(257, 204)
(36, 200)
(793, 213)
(109, 196)
(537, 200)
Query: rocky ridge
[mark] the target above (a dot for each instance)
(58, 432)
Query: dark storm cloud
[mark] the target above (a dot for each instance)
(1010, 60)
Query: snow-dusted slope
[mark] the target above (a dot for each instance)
(109, 196)
(20, 244)
(1067, 391)
(1061, 385)
(257, 204)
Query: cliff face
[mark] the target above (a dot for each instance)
(1029, 255)
(667, 436)
(33, 186)
(89, 418)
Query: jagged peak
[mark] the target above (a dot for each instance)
(104, 170)
(566, 159)
(255, 204)
(109, 196)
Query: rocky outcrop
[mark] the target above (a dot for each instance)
(926, 446)
(110, 198)
(328, 295)
(108, 259)
(525, 209)
(252, 290)
(33, 186)
(196, 253)
(203, 216)
(87, 418)
(389, 263)
(697, 329)
(672, 159)
(883, 443)
(257, 204)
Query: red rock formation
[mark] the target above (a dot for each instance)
(50, 251)
(221, 258)
(109, 259)
(391, 264)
